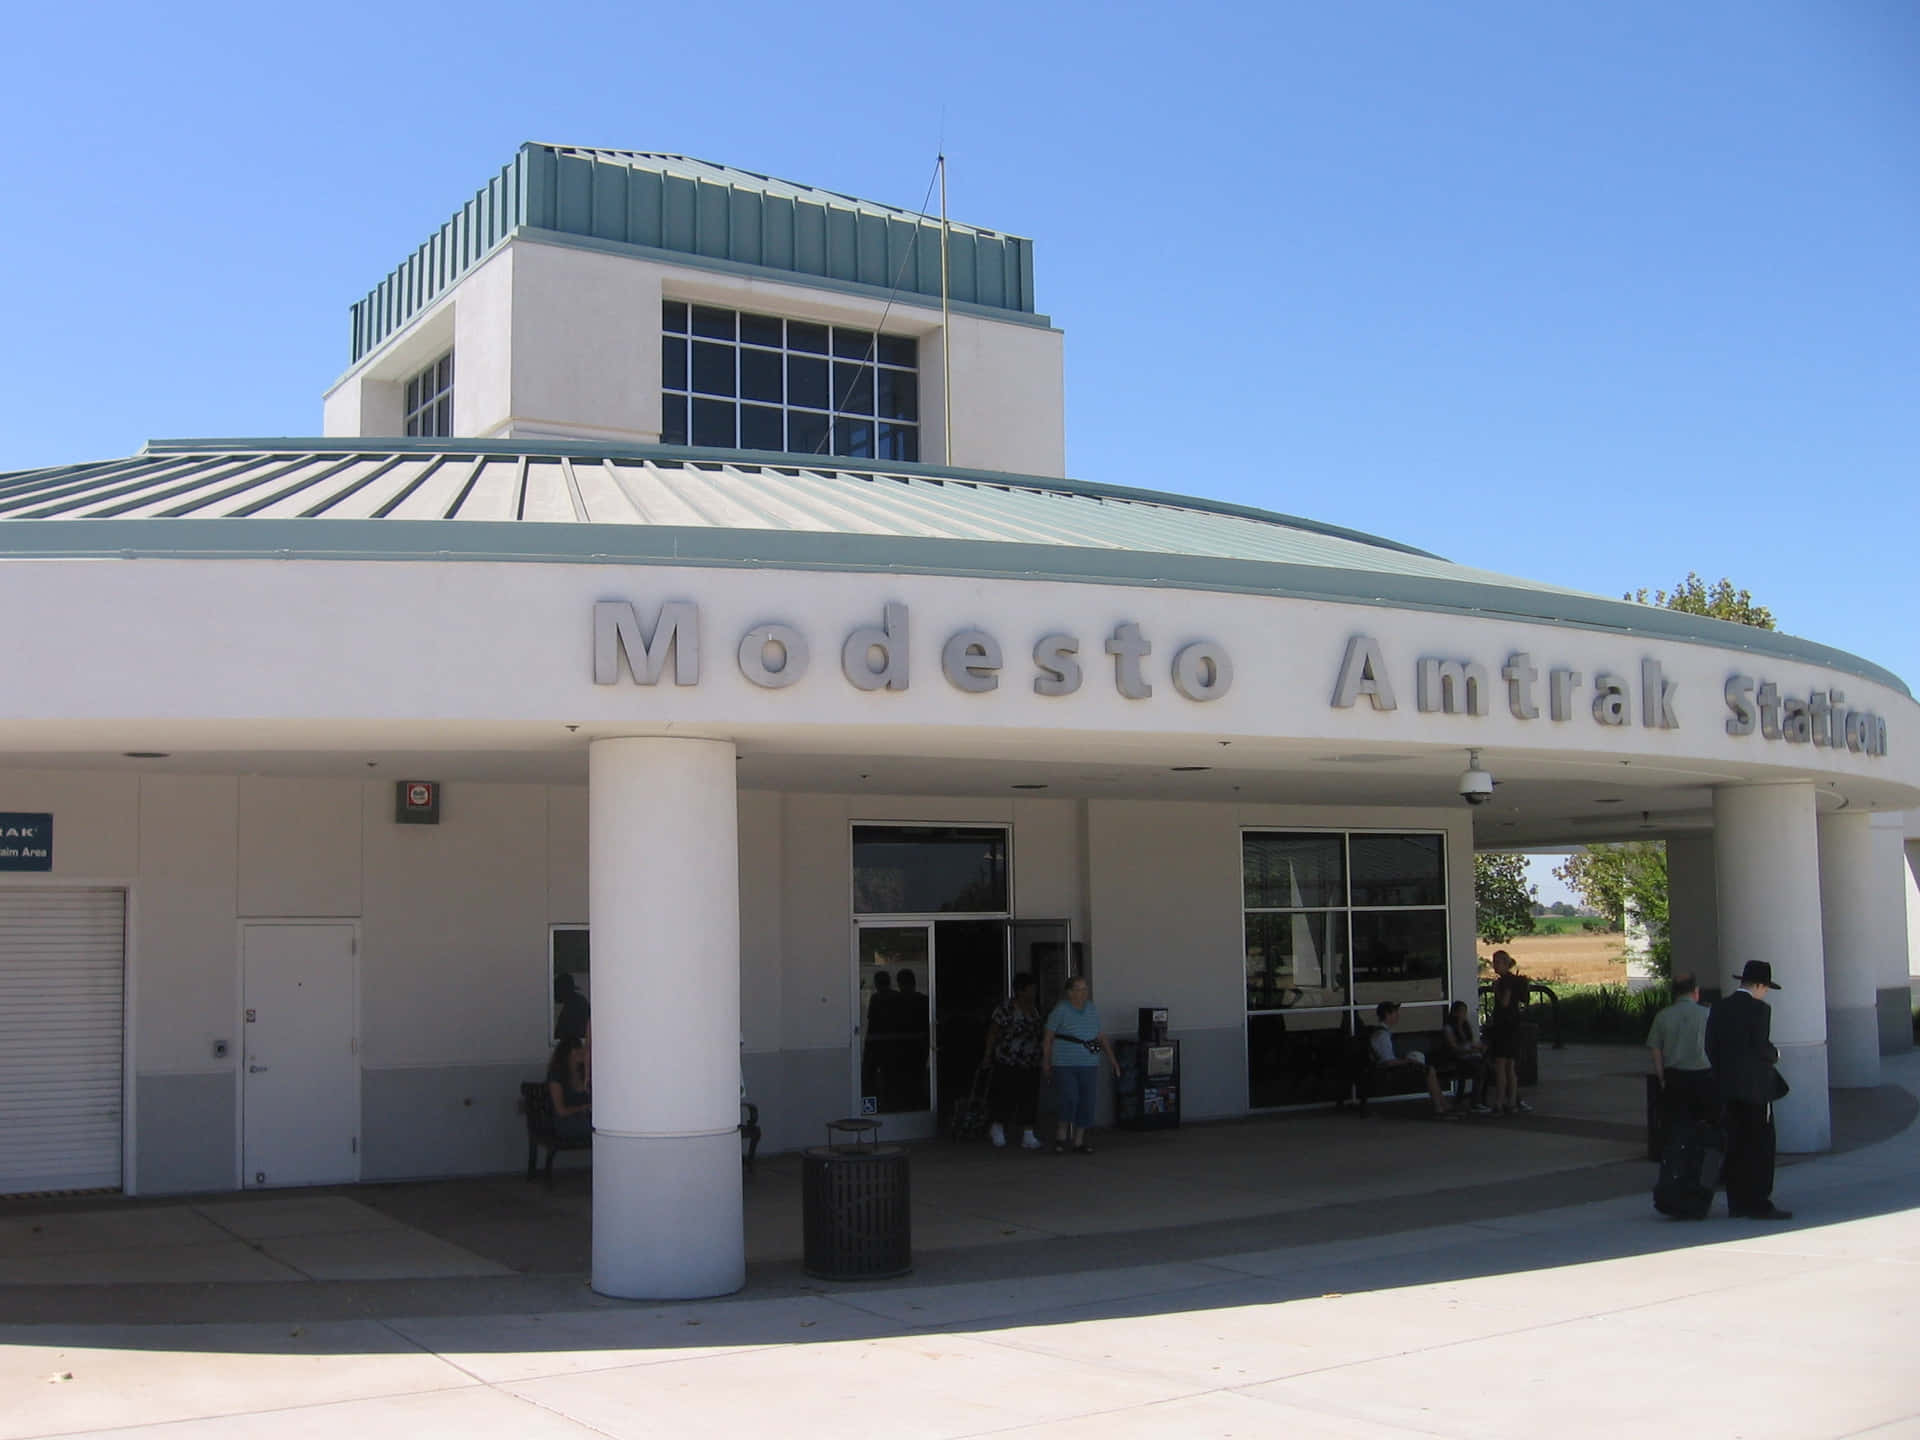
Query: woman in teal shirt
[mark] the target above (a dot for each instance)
(1070, 1053)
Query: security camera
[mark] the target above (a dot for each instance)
(1476, 785)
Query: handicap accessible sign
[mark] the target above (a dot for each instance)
(26, 841)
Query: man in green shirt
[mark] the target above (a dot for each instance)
(1678, 1042)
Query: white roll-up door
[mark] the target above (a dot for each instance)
(62, 1025)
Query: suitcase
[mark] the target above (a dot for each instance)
(1689, 1170)
(970, 1111)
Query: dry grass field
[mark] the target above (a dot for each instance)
(1566, 959)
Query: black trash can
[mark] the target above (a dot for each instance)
(856, 1205)
(1526, 1059)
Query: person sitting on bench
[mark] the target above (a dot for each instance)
(1387, 1012)
(567, 1091)
(1462, 1055)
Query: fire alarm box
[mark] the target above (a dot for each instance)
(416, 802)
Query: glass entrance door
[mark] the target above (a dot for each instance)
(927, 989)
(893, 1035)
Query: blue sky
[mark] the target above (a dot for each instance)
(1592, 294)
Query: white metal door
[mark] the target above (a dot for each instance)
(62, 1038)
(300, 1108)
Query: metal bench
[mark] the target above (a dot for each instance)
(537, 1105)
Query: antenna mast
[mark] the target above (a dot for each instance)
(946, 320)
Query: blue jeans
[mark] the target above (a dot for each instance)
(1076, 1091)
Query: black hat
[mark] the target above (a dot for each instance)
(1757, 972)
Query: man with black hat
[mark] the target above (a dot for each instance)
(1741, 1050)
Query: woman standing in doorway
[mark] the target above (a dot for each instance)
(1013, 1052)
(1070, 1052)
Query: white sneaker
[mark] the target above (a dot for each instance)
(997, 1133)
(1031, 1141)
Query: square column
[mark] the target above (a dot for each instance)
(664, 901)
(1767, 870)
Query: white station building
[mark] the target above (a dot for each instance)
(631, 621)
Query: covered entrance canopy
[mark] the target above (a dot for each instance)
(689, 675)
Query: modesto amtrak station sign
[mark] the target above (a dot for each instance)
(775, 655)
(1455, 687)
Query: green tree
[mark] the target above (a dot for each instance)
(1615, 880)
(1502, 898)
(1721, 600)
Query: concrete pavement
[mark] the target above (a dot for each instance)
(1411, 1278)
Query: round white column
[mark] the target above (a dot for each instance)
(1850, 928)
(1693, 914)
(664, 901)
(1893, 884)
(1767, 872)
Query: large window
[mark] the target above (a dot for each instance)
(929, 870)
(429, 405)
(1336, 922)
(736, 381)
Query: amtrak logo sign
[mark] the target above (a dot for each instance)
(26, 841)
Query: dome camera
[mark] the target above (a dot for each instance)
(1475, 785)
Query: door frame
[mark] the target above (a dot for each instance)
(924, 923)
(239, 1053)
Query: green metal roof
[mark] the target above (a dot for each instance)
(580, 502)
(691, 211)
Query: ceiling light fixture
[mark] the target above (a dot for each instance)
(1029, 787)
(146, 754)
(1190, 769)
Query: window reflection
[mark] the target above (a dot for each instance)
(1334, 924)
(1399, 955)
(1296, 1058)
(1296, 961)
(928, 870)
(1398, 870)
(1281, 871)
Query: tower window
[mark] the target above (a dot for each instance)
(429, 407)
(736, 381)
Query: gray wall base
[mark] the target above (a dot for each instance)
(798, 1091)
(458, 1120)
(669, 1218)
(186, 1128)
(1895, 1009)
(1853, 1047)
(1213, 1072)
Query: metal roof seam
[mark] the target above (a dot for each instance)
(228, 492)
(304, 483)
(30, 496)
(406, 491)
(381, 468)
(574, 496)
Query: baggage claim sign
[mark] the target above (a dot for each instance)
(26, 841)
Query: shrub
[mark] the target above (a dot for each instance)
(1608, 1012)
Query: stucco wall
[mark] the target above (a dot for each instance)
(1167, 927)
(556, 341)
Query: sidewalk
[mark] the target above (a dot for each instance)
(1305, 1287)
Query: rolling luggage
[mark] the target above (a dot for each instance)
(970, 1111)
(1689, 1170)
